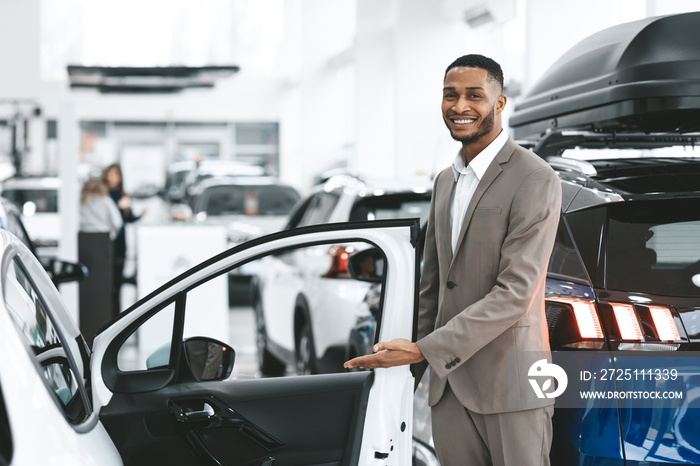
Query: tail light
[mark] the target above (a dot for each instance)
(575, 323)
(646, 328)
(339, 262)
(664, 323)
(627, 322)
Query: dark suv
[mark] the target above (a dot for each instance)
(617, 117)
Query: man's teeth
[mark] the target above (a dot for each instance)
(463, 122)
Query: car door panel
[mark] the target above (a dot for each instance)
(244, 422)
(335, 419)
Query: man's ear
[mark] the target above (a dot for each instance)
(501, 103)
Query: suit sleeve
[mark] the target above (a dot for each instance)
(429, 284)
(533, 221)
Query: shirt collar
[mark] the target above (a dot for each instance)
(481, 162)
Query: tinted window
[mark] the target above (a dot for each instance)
(587, 230)
(564, 260)
(389, 206)
(654, 247)
(45, 200)
(249, 200)
(319, 210)
(30, 316)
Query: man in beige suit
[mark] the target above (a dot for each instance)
(493, 218)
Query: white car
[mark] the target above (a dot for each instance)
(156, 387)
(293, 291)
(37, 199)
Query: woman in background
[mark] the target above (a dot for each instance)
(112, 177)
(98, 214)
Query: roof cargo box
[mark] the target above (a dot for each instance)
(642, 76)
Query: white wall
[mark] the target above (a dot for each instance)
(360, 79)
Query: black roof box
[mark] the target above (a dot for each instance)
(642, 76)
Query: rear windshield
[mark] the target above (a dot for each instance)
(389, 206)
(45, 200)
(248, 200)
(651, 246)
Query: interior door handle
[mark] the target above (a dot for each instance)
(185, 413)
(207, 413)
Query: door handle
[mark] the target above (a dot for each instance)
(189, 411)
(206, 413)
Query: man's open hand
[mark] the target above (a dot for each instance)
(396, 352)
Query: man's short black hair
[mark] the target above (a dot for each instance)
(494, 70)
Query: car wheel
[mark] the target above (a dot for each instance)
(305, 354)
(267, 363)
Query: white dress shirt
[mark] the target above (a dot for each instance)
(467, 179)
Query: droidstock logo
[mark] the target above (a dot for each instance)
(542, 368)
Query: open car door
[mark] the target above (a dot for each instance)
(161, 378)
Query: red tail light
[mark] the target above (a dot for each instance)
(586, 317)
(590, 333)
(627, 322)
(575, 323)
(664, 323)
(646, 327)
(339, 262)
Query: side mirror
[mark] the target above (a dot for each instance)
(367, 265)
(209, 359)
(62, 271)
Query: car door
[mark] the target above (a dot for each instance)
(161, 413)
(45, 413)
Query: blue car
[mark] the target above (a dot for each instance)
(617, 117)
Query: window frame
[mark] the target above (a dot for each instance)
(16, 258)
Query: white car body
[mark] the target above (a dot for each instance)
(40, 432)
(42, 223)
(295, 289)
(383, 421)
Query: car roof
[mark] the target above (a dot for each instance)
(377, 186)
(229, 166)
(240, 181)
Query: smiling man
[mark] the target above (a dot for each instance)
(493, 218)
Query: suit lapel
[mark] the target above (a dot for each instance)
(442, 211)
(490, 175)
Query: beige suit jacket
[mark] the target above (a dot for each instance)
(483, 306)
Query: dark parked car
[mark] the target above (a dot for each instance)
(623, 288)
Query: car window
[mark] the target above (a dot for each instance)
(5, 433)
(301, 308)
(565, 261)
(43, 200)
(248, 200)
(389, 206)
(654, 246)
(588, 228)
(319, 210)
(30, 315)
(298, 213)
(148, 347)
